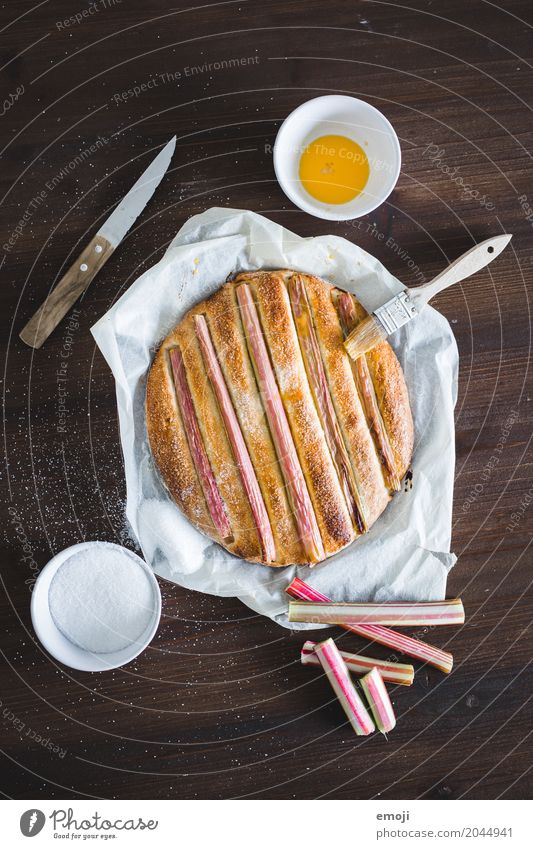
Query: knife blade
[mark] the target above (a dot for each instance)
(94, 256)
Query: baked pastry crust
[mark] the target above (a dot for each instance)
(171, 446)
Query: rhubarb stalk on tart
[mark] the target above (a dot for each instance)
(349, 320)
(236, 438)
(205, 473)
(279, 426)
(322, 395)
(263, 433)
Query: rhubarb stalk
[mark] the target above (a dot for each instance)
(442, 660)
(378, 700)
(302, 507)
(321, 393)
(215, 505)
(367, 394)
(394, 673)
(337, 673)
(414, 614)
(238, 445)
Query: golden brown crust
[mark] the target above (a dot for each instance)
(226, 330)
(324, 489)
(374, 494)
(169, 443)
(393, 399)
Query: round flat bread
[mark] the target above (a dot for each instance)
(269, 438)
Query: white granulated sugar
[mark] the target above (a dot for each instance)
(101, 599)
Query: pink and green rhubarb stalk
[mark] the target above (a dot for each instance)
(339, 678)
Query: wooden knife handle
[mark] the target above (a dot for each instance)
(67, 291)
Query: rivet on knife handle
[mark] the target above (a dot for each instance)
(67, 292)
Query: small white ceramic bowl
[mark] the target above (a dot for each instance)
(58, 645)
(346, 116)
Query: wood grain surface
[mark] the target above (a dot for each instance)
(219, 706)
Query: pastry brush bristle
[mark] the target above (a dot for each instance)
(365, 336)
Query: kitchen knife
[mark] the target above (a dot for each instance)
(83, 271)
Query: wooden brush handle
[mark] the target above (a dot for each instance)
(473, 260)
(70, 287)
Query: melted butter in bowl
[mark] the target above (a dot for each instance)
(334, 169)
(337, 157)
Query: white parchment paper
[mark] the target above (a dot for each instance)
(406, 555)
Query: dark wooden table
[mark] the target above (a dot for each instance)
(219, 706)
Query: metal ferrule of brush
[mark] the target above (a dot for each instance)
(396, 312)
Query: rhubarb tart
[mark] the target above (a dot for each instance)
(269, 438)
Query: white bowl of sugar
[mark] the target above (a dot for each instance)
(96, 606)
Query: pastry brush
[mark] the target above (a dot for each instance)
(407, 304)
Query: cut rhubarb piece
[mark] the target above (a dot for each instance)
(406, 613)
(363, 381)
(301, 504)
(442, 660)
(394, 673)
(378, 700)
(238, 445)
(339, 678)
(214, 502)
(318, 382)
